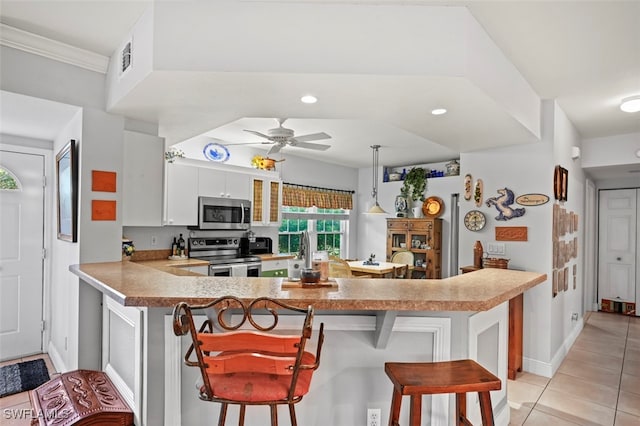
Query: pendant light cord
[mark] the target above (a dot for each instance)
(374, 193)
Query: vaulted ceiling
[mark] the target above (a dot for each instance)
(377, 68)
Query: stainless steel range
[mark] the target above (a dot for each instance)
(225, 257)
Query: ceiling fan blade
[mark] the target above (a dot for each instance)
(262, 135)
(312, 137)
(315, 146)
(247, 143)
(275, 148)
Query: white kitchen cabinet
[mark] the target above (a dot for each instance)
(275, 268)
(266, 199)
(220, 183)
(142, 170)
(181, 196)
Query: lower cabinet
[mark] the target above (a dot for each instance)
(275, 268)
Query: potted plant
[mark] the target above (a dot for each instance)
(415, 183)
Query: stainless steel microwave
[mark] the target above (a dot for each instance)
(223, 213)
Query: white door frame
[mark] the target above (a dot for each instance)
(47, 221)
(590, 261)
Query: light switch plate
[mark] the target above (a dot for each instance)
(496, 248)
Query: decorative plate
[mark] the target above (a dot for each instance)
(433, 207)
(216, 152)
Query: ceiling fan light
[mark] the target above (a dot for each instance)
(630, 104)
(439, 111)
(309, 99)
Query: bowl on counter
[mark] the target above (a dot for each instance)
(309, 276)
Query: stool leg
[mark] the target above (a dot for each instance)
(461, 408)
(485, 408)
(223, 414)
(394, 415)
(241, 419)
(292, 414)
(274, 415)
(415, 411)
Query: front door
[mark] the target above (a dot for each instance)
(21, 253)
(618, 224)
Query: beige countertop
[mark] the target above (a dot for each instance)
(165, 283)
(271, 256)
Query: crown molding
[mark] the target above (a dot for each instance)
(62, 52)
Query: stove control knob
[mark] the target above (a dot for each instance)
(235, 241)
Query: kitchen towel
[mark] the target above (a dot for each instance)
(239, 270)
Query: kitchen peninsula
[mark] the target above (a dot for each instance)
(367, 322)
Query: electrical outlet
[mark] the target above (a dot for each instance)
(154, 241)
(574, 316)
(373, 417)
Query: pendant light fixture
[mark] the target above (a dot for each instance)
(375, 209)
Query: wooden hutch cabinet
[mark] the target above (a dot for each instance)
(423, 237)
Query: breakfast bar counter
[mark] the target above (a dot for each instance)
(367, 322)
(165, 283)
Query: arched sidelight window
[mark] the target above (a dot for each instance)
(9, 181)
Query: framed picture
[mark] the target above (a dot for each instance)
(560, 183)
(67, 192)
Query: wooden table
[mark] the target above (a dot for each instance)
(375, 271)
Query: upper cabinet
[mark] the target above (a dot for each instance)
(142, 179)
(181, 197)
(266, 199)
(220, 183)
(188, 179)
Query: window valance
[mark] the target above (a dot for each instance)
(307, 196)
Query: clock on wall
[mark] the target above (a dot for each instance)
(475, 220)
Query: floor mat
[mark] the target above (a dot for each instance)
(22, 376)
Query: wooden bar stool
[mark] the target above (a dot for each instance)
(427, 378)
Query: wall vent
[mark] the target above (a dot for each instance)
(126, 56)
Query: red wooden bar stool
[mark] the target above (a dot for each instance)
(249, 365)
(427, 378)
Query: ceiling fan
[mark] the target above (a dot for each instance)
(281, 136)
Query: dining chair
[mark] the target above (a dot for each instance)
(406, 257)
(339, 268)
(400, 271)
(251, 365)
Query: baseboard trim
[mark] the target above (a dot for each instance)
(56, 359)
(548, 369)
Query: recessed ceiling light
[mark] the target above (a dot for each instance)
(309, 99)
(438, 111)
(631, 104)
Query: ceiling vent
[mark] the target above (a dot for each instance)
(126, 57)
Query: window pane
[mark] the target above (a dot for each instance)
(284, 225)
(294, 245)
(293, 225)
(283, 244)
(303, 225)
(7, 181)
(322, 242)
(320, 225)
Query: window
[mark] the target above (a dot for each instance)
(328, 230)
(8, 180)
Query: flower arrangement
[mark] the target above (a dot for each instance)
(172, 154)
(127, 248)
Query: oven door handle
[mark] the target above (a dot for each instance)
(242, 217)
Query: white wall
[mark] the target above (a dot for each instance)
(610, 151)
(64, 285)
(100, 147)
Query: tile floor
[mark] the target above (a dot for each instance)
(14, 409)
(598, 383)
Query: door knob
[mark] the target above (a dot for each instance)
(618, 259)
